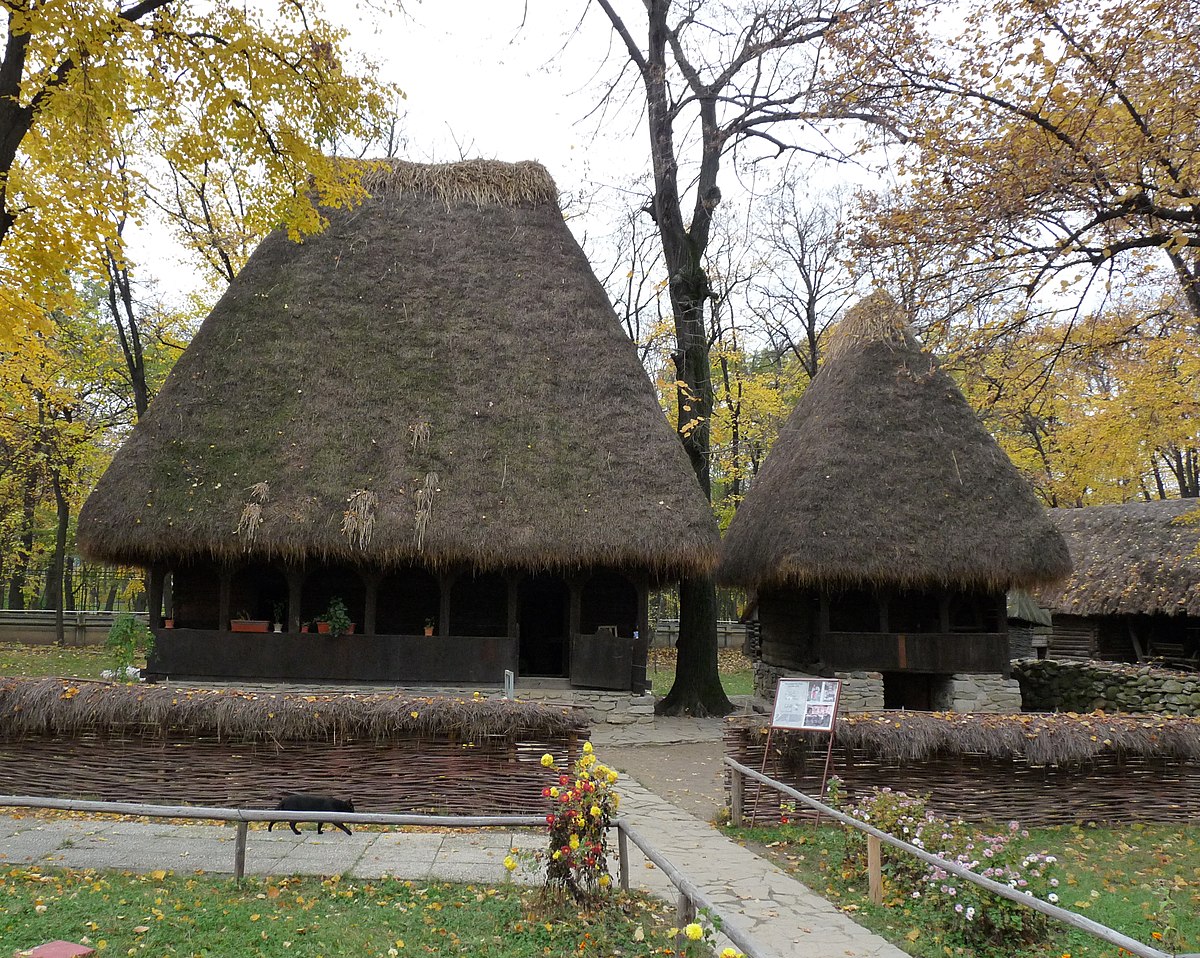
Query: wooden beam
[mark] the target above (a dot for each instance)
(295, 582)
(224, 600)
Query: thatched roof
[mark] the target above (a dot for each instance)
(1060, 738)
(437, 377)
(1135, 558)
(884, 476)
(70, 707)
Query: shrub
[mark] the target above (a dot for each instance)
(128, 638)
(978, 916)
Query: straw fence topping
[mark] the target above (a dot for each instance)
(1038, 739)
(64, 708)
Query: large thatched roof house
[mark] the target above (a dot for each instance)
(1134, 593)
(428, 411)
(886, 525)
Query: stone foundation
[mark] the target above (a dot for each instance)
(978, 693)
(612, 708)
(863, 691)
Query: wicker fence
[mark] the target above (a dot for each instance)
(1107, 786)
(387, 754)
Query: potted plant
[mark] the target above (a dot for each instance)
(429, 624)
(336, 620)
(280, 610)
(243, 623)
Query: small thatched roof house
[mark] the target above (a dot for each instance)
(428, 411)
(1134, 594)
(886, 523)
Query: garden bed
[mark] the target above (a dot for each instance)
(389, 753)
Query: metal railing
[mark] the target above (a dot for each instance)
(690, 899)
(1103, 932)
(242, 817)
(689, 902)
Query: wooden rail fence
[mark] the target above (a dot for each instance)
(877, 838)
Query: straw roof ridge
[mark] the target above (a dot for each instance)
(884, 476)
(1059, 738)
(1134, 558)
(477, 181)
(423, 382)
(68, 708)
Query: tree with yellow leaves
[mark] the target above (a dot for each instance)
(105, 106)
(1049, 141)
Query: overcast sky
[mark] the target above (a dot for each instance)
(492, 79)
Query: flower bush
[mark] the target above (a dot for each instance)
(982, 917)
(583, 803)
(697, 939)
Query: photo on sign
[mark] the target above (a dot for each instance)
(803, 703)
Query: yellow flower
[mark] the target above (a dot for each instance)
(554, 791)
(587, 748)
(604, 881)
(510, 863)
(612, 777)
(557, 854)
(694, 932)
(574, 842)
(731, 953)
(587, 760)
(415, 714)
(595, 810)
(547, 760)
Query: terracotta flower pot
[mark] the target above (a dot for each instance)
(249, 625)
(429, 630)
(323, 628)
(168, 623)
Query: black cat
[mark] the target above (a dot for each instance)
(302, 802)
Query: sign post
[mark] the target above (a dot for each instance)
(805, 705)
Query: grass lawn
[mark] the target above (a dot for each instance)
(164, 914)
(1142, 880)
(76, 662)
(736, 675)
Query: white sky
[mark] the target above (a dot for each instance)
(484, 79)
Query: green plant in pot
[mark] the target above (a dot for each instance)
(336, 618)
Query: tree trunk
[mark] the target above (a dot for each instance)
(20, 565)
(54, 575)
(697, 688)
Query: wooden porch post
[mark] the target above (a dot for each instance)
(639, 679)
(154, 595)
(371, 581)
(574, 616)
(445, 584)
(295, 583)
(223, 601)
(513, 628)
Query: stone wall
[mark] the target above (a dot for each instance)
(863, 691)
(978, 693)
(1052, 685)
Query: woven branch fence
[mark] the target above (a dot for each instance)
(1158, 783)
(386, 753)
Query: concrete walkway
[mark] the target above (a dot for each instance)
(782, 916)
